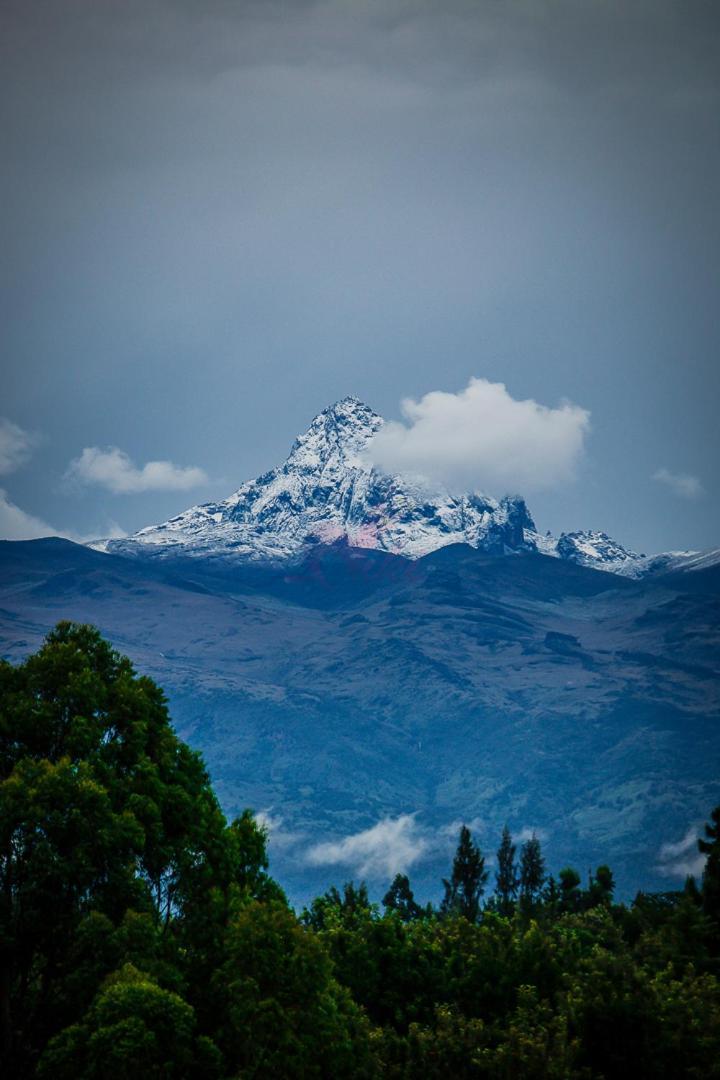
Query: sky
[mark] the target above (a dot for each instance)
(218, 217)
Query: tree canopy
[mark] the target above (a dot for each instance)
(141, 933)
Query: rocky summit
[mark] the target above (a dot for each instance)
(328, 491)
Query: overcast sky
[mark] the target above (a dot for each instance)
(218, 217)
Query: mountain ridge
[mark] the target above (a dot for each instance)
(328, 490)
(358, 686)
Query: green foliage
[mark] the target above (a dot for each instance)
(133, 1028)
(710, 847)
(141, 935)
(532, 874)
(506, 877)
(465, 888)
(113, 848)
(400, 898)
(283, 1013)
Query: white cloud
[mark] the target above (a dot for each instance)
(279, 837)
(16, 446)
(482, 437)
(388, 848)
(15, 524)
(476, 826)
(685, 485)
(682, 858)
(527, 833)
(115, 471)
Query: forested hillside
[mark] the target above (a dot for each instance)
(142, 936)
(363, 686)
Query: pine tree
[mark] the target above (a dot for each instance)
(400, 898)
(711, 874)
(506, 878)
(570, 892)
(602, 887)
(467, 883)
(532, 873)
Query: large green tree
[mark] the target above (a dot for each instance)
(103, 812)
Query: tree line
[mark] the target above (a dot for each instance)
(521, 884)
(142, 935)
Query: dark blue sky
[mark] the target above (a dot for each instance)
(217, 217)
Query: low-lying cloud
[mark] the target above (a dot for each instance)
(16, 446)
(685, 485)
(279, 838)
(114, 470)
(682, 858)
(388, 848)
(528, 832)
(17, 524)
(482, 437)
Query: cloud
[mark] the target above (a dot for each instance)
(16, 446)
(16, 524)
(681, 858)
(279, 838)
(685, 485)
(388, 848)
(482, 437)
(114, 470)
(476, 825)
(527, 833)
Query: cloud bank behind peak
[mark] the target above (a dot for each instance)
(482, 437)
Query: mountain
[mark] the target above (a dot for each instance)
(368, 703)
(327, 491)
(369, 662)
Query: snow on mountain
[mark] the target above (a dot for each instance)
(327, 491)
(593, 549)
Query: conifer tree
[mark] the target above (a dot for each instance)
(570, 892)
(710, 846)
(467, 882)
(400, 898)
(506, 878)
(532, 873)
(602, 887)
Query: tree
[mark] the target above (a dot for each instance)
(400, 898)
(104, 813)
(281, 1011)
(710, 847)
(344, 907)
(602, 887)
(467, 882)
(532, 874)
(570, 891)
(506, 877)
(133, 1028)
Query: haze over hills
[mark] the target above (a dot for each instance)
(368, 663)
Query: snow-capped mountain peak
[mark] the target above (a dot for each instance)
(342, 432)
(327, 490)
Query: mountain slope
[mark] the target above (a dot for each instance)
(360, 686)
